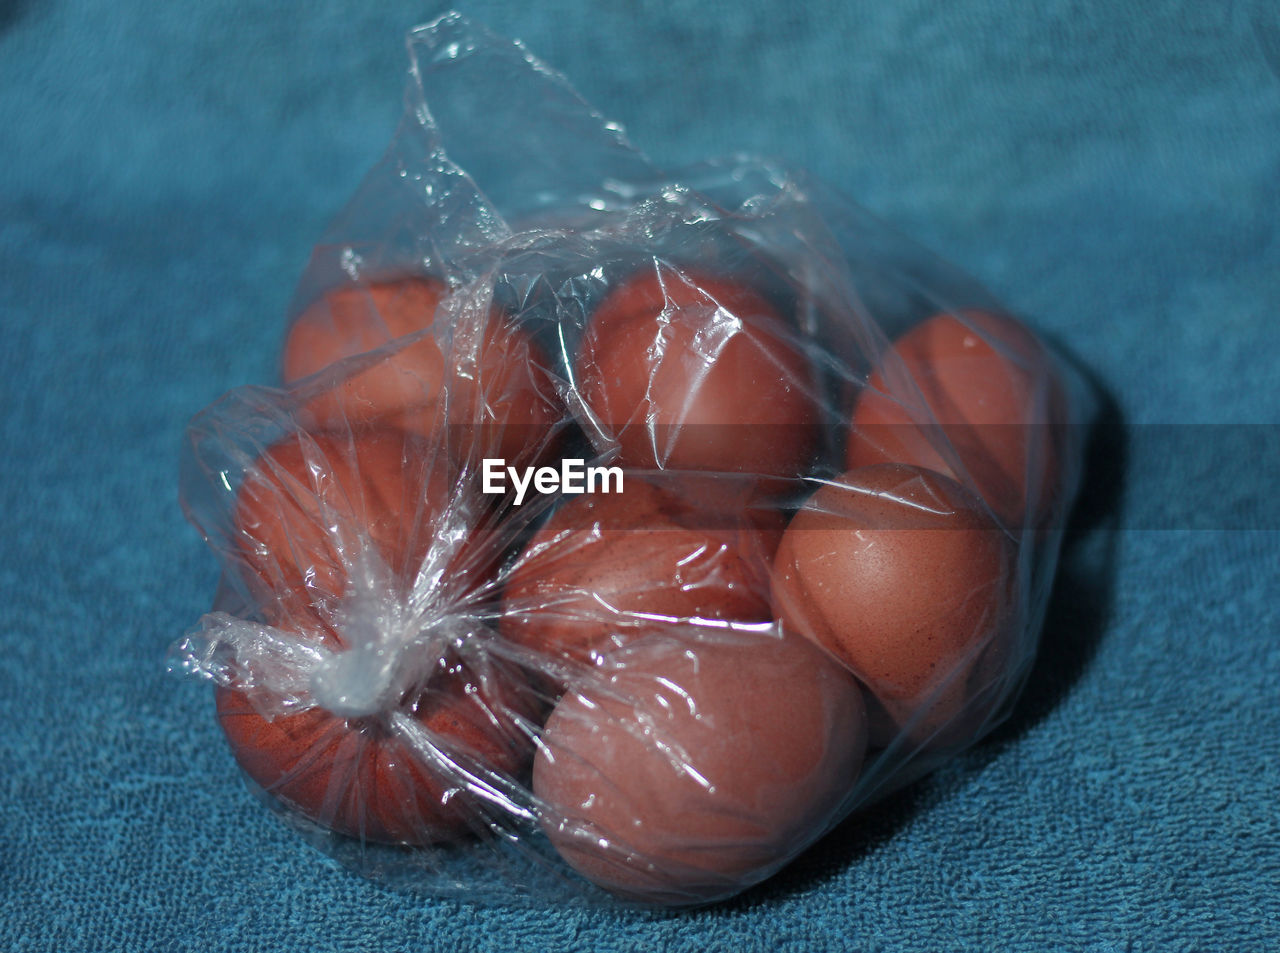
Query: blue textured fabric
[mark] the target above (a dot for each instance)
(1110, 169)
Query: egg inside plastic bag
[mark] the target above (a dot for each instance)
(611, 534)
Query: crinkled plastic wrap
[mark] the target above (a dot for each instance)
(614, 534)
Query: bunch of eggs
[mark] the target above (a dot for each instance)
(688, 676)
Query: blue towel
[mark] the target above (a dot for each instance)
(1109, 169)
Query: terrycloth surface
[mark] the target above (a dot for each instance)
(1111, 169)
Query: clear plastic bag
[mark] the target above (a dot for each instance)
(615, 533)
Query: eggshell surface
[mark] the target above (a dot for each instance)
(361, 778)
(606, 568)
(497, 400)
(687, 770)
(693, 372)
(316, 514)
(900, 573)
(990, 386)
(316, 505)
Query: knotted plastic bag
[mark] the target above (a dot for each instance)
(613, 533)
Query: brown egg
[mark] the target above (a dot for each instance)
(687, 770)
(314, 512)
(606, 568)
(316, 504)
(900, 573)
(363, 778)
(694, 372)
(991, 386)
(504, 405)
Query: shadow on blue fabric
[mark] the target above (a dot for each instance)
(11, 11)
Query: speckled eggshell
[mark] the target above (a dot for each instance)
(902, 575)
(686, 770)
(606, 568)
(504, 407)
(991, 386)
(694, 372)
